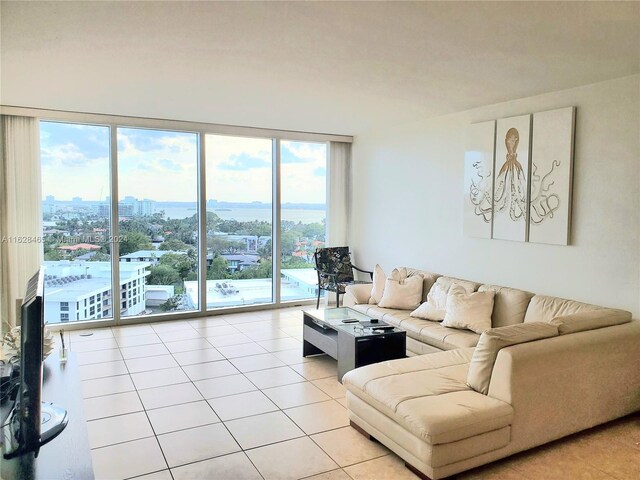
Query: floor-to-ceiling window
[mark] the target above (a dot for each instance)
(189, 204)
(76, 216)
(239, 220)
(303, 171)
(158, 220)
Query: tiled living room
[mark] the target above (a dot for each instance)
(354, 240)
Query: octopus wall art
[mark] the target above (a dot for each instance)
(513, 206)
(511, 183)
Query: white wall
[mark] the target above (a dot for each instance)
(408, 194)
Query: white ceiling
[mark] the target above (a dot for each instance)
(310, 66)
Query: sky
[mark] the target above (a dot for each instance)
(162, 165)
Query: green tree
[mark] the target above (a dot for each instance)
(163, 275)
(296, 262)
(235, 246)
(53, 255)
(140, 225)
(218, 270)
(262, 270)
(288, 240)
(134, 241)
(181, 263)
(314, 231)
(265, 251)
(100, 257)
(174, 244)
(221, 244)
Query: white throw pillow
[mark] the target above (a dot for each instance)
(435, 306)
(401, 292)
(378, 285)
(471, 311)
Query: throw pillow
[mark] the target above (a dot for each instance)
(435, 306)
(401, 292)
(471, 311)
(378, 285)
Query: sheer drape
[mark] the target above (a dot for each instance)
(20, 210)
(338, 193)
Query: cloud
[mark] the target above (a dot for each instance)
(243, 161)
(70, 155)
(136, 139)
(170, 165)
(303, 152)
(320, 171)
(69, 140)
(288, 156)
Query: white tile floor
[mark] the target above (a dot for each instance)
(226, 397)
(231, 398)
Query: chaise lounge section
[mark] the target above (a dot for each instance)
(548, 368)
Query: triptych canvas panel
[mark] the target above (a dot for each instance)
(518, 174)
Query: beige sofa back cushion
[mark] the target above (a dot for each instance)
(490, 343)
(580, 322)
(469, 286)
(509, 305)
(544, 309)
(428, 279)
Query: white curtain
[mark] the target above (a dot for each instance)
(338, 193)
(20, 211)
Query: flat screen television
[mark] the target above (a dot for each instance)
(32, 423)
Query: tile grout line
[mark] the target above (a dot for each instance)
(214, 412)
(150, 423)
(304, 434)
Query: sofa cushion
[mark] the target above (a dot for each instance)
(446, 338)
(580, 322)
(357, 293)
(471, 311)
(428, 396)
(469, 286)
(509, 305)
(428, 279)
(401, 291)
(435, 306)
(379, 279)
(544, 309)
(392, 316)
(491, 341)
(425, 331)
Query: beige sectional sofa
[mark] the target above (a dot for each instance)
(549, 367)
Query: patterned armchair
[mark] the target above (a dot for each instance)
(335, 271)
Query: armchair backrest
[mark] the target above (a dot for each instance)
(333, 265)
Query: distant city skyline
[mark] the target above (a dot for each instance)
(53, 198)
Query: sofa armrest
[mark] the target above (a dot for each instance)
(357, 294)
(568, 383)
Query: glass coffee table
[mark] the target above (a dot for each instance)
(352, 343)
